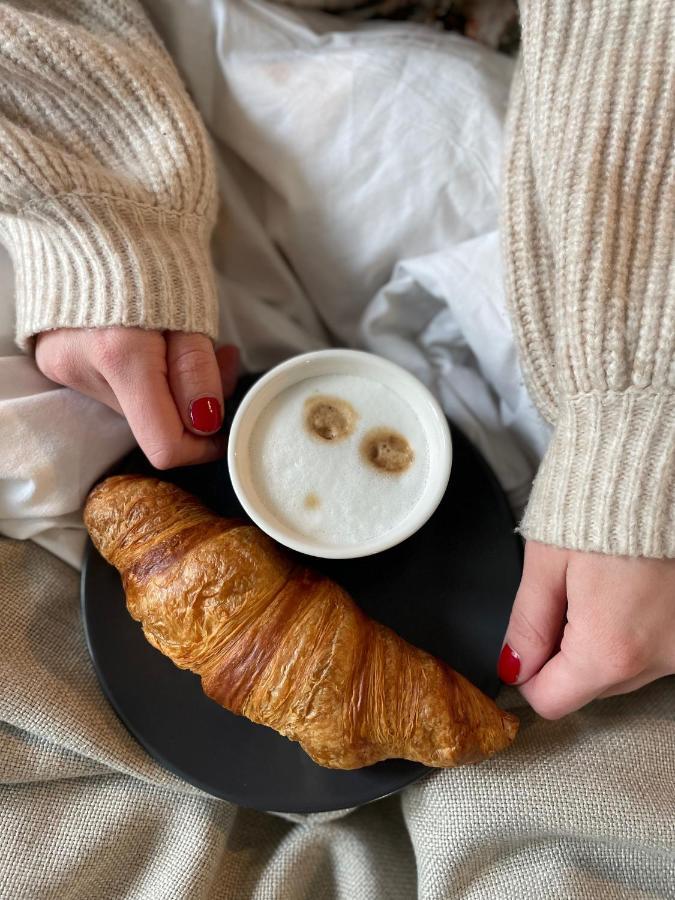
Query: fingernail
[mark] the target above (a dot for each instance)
(206, 414)
(508, 667)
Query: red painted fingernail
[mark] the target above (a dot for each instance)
(206, 414)
(508, 667)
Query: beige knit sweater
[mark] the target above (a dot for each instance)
(107, 200)
(107, 185)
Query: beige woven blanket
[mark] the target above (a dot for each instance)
(583, 808)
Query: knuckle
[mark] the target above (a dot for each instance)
(192, 362)
(110, 351)
(547, 708)
(58, 364)
(162, 457)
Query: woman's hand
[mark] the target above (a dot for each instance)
(169, 386)
(586, 625)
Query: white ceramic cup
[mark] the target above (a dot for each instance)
(339, 362)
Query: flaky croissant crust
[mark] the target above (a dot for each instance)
(280, 644)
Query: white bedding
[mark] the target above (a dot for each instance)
(359, 172)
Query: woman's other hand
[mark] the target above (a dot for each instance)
(169, 386)
(585, 625)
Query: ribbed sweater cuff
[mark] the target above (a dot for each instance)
(607, 482)
(95, 261)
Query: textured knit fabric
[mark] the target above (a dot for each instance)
(107, 196)
(581, 808)
(107, 188)
(589, 226)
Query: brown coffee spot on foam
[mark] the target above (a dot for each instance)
(312, 501)
(329, 418)
(387, 450)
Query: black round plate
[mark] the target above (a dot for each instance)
(448, 589)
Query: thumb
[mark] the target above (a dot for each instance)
(538, 614)
(195, 381)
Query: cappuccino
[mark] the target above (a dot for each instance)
(339, 458)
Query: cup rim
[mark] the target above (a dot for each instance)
(419, 514)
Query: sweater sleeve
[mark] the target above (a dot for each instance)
(589, 243)
(107, 186)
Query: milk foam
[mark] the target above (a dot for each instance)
(324, 489)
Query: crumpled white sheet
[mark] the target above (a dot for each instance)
(54, 443)
(359, 171)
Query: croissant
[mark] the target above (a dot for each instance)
(278, 643)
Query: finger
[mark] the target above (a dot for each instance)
(194, 378)
(99, 389)
(227, 358)
(147, 402)
(563, 686)
(94, 385)
(538, 614)
(633, 684)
